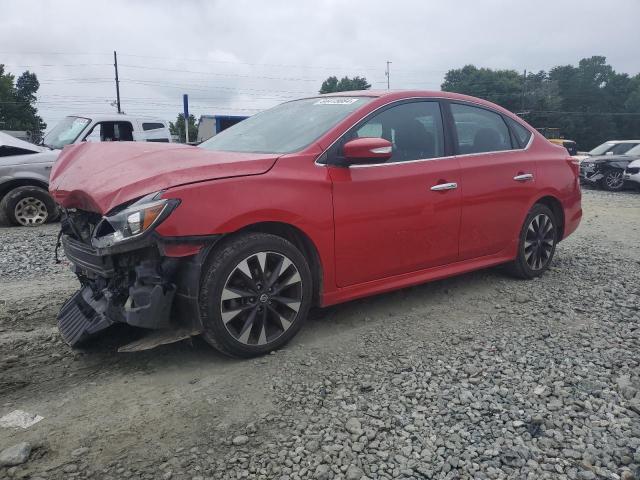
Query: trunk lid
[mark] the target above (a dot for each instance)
(100, 176)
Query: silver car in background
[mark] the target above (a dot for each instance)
(25, 167)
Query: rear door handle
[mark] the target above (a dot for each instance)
(444, 186)
(523, 177)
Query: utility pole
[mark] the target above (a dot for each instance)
(185, 105)
(115, 64)
(388, 74)
(524, 89)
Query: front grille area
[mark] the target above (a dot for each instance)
(86, 258)
(80, 224)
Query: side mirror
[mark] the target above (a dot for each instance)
(367, 149)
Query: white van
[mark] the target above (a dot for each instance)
(106, 128)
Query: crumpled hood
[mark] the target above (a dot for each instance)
(100, 176)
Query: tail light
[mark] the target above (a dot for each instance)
(574, 164)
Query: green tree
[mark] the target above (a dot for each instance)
(590, 103)
(590, 96)
(17, 104)
(178, 129)
(503, 87)
(345, 84)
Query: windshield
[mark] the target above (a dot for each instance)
(612, 148)
(65, 132)
(287, 128)
(634, 151)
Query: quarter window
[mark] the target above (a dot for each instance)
(414, 129)
(151, 126)
(522, 134)
(479, 130)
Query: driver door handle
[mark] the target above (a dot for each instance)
(523, 177)
(444, 186)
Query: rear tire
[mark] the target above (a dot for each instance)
(537, 243)
(28, 206)
(255, 294)
(613, 180)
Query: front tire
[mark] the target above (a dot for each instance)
(255, 295)
(28, 206)
(613, 180)
(537, 243)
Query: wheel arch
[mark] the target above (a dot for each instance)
(295, 235)
(555, 206)
(9, 185)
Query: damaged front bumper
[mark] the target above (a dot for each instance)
(139, 287)
(590, 174)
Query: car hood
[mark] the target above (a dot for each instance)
(635, 163)
(7, 140)
(100, 176)
(46, 156)
(611, 158)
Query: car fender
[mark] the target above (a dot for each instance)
(18, 177)
(305, 204)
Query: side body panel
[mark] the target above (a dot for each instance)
(389, 222)
(558, 178)
(494, 204)
(295, 192)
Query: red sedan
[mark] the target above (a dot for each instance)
(311, 203)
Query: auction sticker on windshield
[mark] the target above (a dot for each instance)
(336, 101)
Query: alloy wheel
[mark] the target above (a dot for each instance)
(31, 211)
(614, 180)
(261, 298)
(539, 241)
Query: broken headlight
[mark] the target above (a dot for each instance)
(133, 220)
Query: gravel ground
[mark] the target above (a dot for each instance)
(480, 376)
(29, 252)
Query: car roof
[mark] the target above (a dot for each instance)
(392, 95)
(401, 94)
(114, 117)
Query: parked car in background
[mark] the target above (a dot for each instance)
(314, 202)
(25, 168)
(607, 171)
(632, 173)
(553, 135)
(611, 147)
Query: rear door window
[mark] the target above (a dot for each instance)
(479, 130)
(155, 132)
(151, 126)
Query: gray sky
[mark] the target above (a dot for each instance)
(237, 56)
